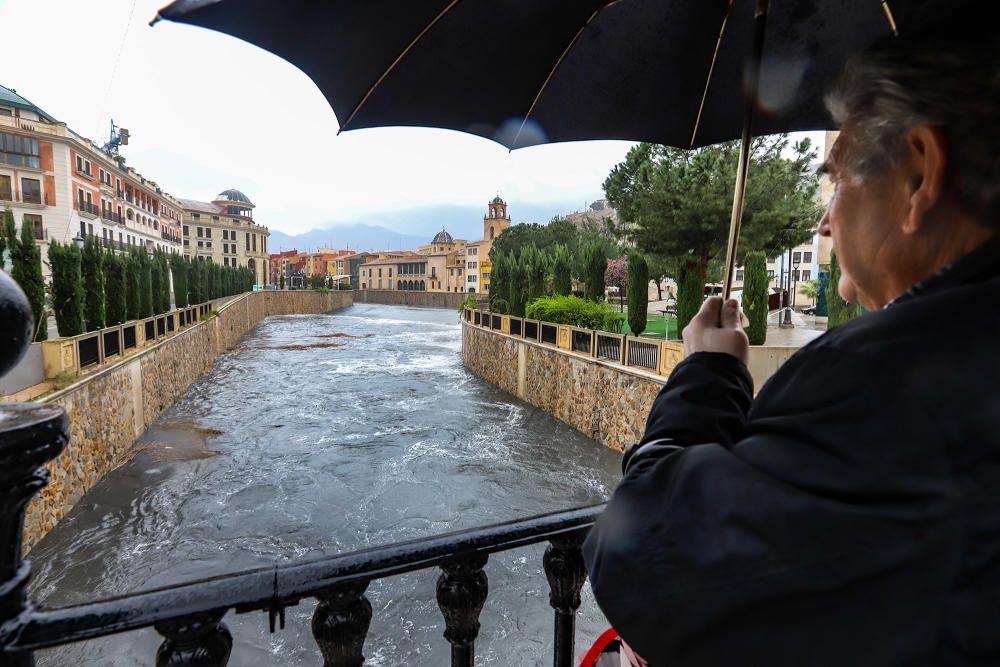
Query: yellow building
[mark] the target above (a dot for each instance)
(477, 255)
(224, 232)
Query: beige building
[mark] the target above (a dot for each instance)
(477, 255)
(224, 232)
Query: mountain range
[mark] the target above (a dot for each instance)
(409, 228)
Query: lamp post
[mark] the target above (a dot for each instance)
(795, 270)
(786, 314)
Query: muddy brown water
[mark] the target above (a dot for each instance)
(279, 454)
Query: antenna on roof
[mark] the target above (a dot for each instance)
(119, 137)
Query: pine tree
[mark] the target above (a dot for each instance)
(93, 284)
(26, 259)
(638, 293)
(67, 288)
(755, 289)
(562, 267)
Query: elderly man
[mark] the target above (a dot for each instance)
(850, 513)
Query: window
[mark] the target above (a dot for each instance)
(187, 242)
(31, 191)
(390, 272)
(36, 224)
(208, 232)
(196, 216)
(4, 111)
(473, 251)
(380, 283)
(247, 241)
(807, 274)
(491, 232)
(200, 233)
(770, 273)
(807, 257)
(186, 230)
(380, 275)
(215, 218)
(5, 190)
(472, 278)
(739, 275)
(796, 257)
(472, 265)
(19, 151)
(255, 243)
(201, 244)
(208, 244)
(486, 276)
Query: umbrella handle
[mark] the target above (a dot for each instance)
(753, 76)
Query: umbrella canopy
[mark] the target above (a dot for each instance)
(525, 72)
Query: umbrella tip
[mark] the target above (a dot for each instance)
(156, 19)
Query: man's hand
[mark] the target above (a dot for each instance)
(716, 328)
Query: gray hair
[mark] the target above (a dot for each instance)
(953, 84)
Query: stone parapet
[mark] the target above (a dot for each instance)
(109, 409)
(410, 298)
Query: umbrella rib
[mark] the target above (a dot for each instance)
(888, 15)
(711, 71)
(555, 67)
(395, 62)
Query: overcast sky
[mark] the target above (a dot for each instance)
(208, 112)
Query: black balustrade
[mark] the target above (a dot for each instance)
(566, 572)
(531, 330)
(516, 324)
(582, 341)
(128, 336)
(340, 624)
(643, 355)
(88, 350)
(609, 347)
(496, 322)
(461, 593)
(549, 333)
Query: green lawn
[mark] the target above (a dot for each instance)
(655, 326)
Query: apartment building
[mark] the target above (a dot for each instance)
(66, 187)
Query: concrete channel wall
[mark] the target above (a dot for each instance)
(108, 410)
(406, 298)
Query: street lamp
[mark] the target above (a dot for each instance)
(786, 315)
(795, 269)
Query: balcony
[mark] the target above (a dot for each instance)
(174, 237)
(87, 209)
(32, 199)
(112, 217)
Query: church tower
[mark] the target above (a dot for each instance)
(496, 219)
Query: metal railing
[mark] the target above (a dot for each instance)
(582, 341)
(549, 333)
(112, 217)
(609, 346)
(87, 207)
(641, 354)
(189, 616)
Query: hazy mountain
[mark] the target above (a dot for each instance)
(408, 228)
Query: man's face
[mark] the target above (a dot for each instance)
(864, 219)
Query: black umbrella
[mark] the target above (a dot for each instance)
(526, 72)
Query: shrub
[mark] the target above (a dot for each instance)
(468, 302)
(690, 294)
(638, 293)
(839, 311)
(573, 311)
(26, 270)
(755, 297)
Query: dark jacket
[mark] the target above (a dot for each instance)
(849, 515)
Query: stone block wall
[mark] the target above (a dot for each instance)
(407, 298)
(110, 409)
(606, 402)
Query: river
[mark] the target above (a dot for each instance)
(321, 434)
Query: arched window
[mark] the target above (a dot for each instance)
(491, 232)
(493, 212)
(422, 285)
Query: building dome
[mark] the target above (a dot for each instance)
(233, 195)
(443, 237)
(497, 200)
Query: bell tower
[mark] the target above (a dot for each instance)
(496, 219)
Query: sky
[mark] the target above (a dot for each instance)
(208, 112)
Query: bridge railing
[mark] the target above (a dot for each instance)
(190, 616)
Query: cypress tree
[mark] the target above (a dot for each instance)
(839, 311)
(67, 288)
(690, 293)
(155, 284)
(130, 265)
(194, 284)
(595, 264)
(562, 266)
(93, 284)
(115, 288)
(637, 293)
(281, 284)
(178, 269)
(26, 258)
(755, 296)
(145, 283)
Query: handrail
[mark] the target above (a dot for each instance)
(281, 585)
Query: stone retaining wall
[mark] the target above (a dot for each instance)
(605, 401)
(110, 409)
(407, 298)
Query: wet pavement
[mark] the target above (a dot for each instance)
(322, 434)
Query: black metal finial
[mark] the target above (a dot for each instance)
(16, 323)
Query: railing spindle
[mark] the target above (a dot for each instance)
(461, 593)
(194, 641)
(340, 624)
(566, 572)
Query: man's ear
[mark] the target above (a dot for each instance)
(926, 165)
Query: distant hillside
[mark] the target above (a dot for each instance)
(353, 236)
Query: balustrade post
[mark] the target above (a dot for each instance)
(566, 572)
(461, 593)
(194, 641)
(340, 624)
(31, 435)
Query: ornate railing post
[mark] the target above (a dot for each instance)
(340, 624)
(194, 641)
(566, 572)
(30, 436)
(461, 593)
